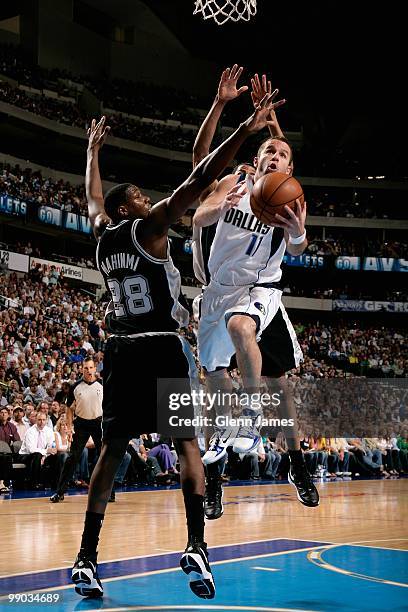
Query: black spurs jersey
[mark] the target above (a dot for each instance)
(145, 290)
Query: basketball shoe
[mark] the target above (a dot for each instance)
(300, 478)
(221, 439)
(248, 436)
(194, 563)
(85, 577)
(213, 508)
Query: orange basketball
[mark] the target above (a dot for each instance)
(271, 193)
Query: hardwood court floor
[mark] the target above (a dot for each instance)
(38, 535)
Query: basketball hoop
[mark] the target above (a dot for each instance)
(225, 10)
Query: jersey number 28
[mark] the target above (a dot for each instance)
(131, 296)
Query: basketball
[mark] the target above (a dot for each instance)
(271, 193)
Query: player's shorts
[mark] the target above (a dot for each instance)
(277, 338)
(132, 366)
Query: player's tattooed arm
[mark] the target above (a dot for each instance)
(97, 134)
(227, 91)
(260, 87)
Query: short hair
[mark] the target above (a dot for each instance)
(114, 197)
(281, 139)
(88, 359)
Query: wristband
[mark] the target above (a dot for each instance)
(298, 240)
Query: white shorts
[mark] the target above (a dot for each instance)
(217, 303)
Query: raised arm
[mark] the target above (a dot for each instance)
(261, 87)
(168, 211)
(93, 185)
(227, 91)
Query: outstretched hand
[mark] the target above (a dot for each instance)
(227, 88)
(97, 133)
(262, 87)
(261, 117)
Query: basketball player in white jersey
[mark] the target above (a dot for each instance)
(243, 297)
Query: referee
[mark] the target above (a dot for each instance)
(85, 410)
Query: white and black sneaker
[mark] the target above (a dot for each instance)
(219, 442)
(85, 577)
(194, 563)
(306, 491)
(248, 437)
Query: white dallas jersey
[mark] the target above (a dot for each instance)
(243, 251)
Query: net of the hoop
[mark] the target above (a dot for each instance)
(224, 10)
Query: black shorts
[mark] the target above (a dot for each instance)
(132, 367)
(279, 347)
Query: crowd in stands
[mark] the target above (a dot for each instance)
(332, 208)
(37, 248)
(168, 136)
(346, 292)
(14, 66)
(360, 248)
(51, 108)
(47, 329)
(31, 187)
(147, 100)
(157, 134)
(326, 457)
(373, 351)
(161, 103)
(141, 99)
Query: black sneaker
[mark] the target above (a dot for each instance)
(194, 563)
(306, 491)
(57, 497)
(214, 492)
(112, 497)
(85, 577)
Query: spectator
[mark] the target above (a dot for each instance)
(20, 424)
(38, 450)
(44, 407)
(54, 412)
(62, 443)
(8, 435)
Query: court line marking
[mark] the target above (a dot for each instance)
(360, 543)
(268, 569)
(63, 567)
(315, 557)
(202, 607)
(177, 569)
(117, 560)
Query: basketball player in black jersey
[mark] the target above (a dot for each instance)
(144, 314)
